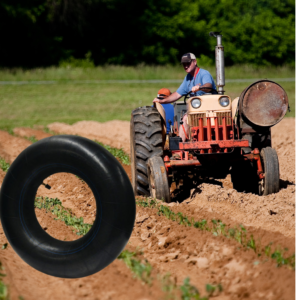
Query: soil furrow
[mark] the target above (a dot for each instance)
(185, 251)
(275, 213)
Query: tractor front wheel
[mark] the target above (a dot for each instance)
(270, 183)
(158, 179)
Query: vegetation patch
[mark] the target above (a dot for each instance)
(118, 153)
(218, 228)
(64, 214)
(4, 165)
(92, 100)
(3, 287)
(32, 138)
(143, 271)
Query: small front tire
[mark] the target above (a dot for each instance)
(158, 179)
(270, 183)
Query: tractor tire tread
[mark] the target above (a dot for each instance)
(146, 142)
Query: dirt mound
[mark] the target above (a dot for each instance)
(29, 132)
(113, 133)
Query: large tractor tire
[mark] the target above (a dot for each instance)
(269, 184)
(244, 177)
(145, 142)
(158, 179)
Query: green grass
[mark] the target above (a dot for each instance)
(218, 228)
(141, 72)
(69, 102)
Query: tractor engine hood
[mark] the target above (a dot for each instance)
(264, 103)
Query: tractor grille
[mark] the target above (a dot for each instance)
(194, 118)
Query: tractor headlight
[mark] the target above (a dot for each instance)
(224, 101)
(196, 103)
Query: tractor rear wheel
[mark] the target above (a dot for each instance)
(145, 142)
(269, 184)
(244, 177)
(158, 179)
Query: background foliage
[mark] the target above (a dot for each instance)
(48, 32)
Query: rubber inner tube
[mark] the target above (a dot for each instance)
(112, 190)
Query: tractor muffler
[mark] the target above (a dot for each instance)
(220, 67)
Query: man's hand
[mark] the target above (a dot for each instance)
(156, 100)
(202, 87)
(195, 88)
(172, 98)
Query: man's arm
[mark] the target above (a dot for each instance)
(172, 98)
(198, 87)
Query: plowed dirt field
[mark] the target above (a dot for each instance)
(169, 246)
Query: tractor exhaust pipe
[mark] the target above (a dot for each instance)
(220, 68)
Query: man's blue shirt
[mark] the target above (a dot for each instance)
(189, 81)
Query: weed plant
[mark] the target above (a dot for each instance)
(218, 228)
(141, 270)
(62, 213)
(118, 153)
(3, 287)
(190, 292)
(4, 165)
(32, 139)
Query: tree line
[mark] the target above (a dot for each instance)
(37, 33)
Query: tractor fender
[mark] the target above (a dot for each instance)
(112, 190)
(162, 113)
(234, 107)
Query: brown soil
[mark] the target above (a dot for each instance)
(113, 133)
(275, 212)
(75, 195)
(169, 247)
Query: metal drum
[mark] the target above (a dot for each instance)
(264, 103)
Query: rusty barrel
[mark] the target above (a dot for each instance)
(263, 103)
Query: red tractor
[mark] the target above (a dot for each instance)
(225, 137)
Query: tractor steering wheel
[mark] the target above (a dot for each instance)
(186, 96)
(205, 87)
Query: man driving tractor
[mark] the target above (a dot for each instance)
(197, 80)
